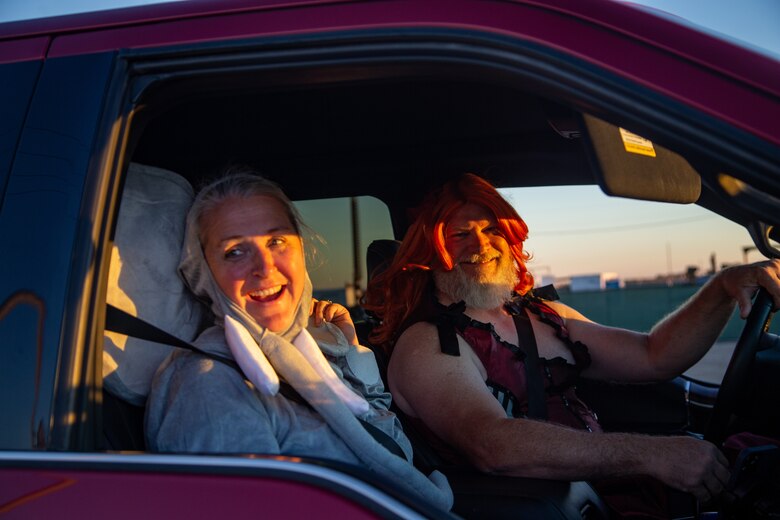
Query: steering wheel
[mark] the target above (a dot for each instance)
(739, 367)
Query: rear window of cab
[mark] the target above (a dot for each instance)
(343, 228)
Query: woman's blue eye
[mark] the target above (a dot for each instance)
(233, 253)
(276, 241)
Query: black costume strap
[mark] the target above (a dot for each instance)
(447, 321)
(546, 292)
(537, 405)
(121, 322)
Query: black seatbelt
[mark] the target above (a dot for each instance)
(122, 322)
(537, 404)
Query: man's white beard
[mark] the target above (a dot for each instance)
(479, 291)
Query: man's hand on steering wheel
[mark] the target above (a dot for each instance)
(742, 282)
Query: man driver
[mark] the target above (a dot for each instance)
(459, 318)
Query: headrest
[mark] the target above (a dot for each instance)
(143, 278)
(379, 255)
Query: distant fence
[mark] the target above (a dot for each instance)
(642, 307)
(637, 308)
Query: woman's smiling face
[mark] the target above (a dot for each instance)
(256, 257)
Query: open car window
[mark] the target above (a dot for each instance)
(628, 263)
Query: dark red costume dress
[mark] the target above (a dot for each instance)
(510, 368)
(505, 365)
(507, 372)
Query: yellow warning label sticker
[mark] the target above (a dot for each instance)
(637, 144)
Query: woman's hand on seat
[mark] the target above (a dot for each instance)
(335, 313)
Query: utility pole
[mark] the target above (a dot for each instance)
(357, 263)
(745, 251)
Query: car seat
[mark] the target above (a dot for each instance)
(144, 282)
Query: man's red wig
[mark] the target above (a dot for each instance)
(397, 292)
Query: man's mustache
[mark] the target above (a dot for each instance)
(480, 258)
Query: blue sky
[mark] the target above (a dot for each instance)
(640, 238)
(754, 23)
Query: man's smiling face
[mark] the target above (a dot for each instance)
(483, 274)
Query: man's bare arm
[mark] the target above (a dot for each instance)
(679, 340)
(450, 396)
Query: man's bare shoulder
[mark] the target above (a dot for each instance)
(413, 351)
(447, 392)
(566, 312)
(417, 354)
(420, 337)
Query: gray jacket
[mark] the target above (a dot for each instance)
(199, 405)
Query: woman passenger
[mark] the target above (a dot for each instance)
(243, 255)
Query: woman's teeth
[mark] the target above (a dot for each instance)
(266, 294)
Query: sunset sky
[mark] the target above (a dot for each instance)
(594, 233)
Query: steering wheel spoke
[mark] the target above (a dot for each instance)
(738, 371)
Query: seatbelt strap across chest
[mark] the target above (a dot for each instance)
(526, 341)
(122, 322)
